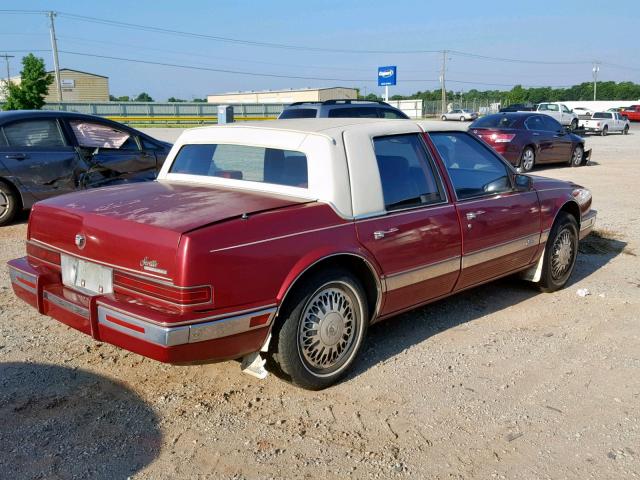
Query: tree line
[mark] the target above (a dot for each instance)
(519, 94)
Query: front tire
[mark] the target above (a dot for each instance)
(527, 159)
(324, 323)
(462, 119)
(625, 131)
(605, 131)
(576, 156)
(560, 253)
(444, 118)
(9, 204)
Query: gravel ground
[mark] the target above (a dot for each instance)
(498, 382)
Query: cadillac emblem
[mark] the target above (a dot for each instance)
(81, 241)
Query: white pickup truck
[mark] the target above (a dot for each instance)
(605, 123)
(561, 113)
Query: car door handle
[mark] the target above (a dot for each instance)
(473, 215)
(535, 134)
(379, 234)
(16, 156)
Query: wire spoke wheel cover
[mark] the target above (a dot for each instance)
(563, 253)
(329, 327)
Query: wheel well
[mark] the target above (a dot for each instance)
(15, 191)
(354, 264)
(572, 209)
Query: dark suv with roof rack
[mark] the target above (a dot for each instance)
(342, 109)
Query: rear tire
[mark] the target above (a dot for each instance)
(576, 156)
(574, 125)
(527, 159)
(9, 204)
(605, 131)
(462, 119)
(625, 131)
(560, 253)
(324, 323)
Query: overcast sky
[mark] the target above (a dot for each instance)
(542, 30)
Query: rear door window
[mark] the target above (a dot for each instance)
(407, 172)
(243, 162)
(474, 169)
(299, 113)
(34, 134)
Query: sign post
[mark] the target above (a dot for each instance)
(387, 76)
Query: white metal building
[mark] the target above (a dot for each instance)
(284, 96)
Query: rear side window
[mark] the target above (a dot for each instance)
(34, 133)
(299, 113)
(354, 112)
(602, 115)
(407, 172)
(243, 162)
(473, 169)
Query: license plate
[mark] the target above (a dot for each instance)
(86, 276)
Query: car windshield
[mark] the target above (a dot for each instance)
(602, 115)
(299, 113)
(495, 121)
(243, 162)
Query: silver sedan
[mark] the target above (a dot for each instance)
(460, 114)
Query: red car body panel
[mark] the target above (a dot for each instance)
(632, 113)
(247, 249)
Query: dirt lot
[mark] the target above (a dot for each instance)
(498, 382)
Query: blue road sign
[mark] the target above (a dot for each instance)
(386, 76)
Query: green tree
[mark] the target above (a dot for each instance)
(123, 98)
(143, 97)
(33, 87)
(175, 100)
(200, 100)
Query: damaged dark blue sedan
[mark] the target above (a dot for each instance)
(48, 153)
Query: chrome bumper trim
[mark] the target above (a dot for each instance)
(66, 304)
(587, 224)
(180, 335)
(16, 275)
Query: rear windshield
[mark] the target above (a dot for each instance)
(495, 121)
(602, 115)
(299, 113)
(548, 107)
(242, 162)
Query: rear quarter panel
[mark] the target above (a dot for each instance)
(252, 262)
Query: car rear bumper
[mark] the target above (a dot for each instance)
(588, 223)
(109, 319)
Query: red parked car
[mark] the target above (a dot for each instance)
(291, 238)
(632, 113)
(527, 139)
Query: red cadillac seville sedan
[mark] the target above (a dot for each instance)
(291, 238)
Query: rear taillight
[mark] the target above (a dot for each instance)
(183, 296)
(42, 254)
(500, 137)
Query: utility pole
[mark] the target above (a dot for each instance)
(444, 89)
(6, 58)
(54, 48)
(596, 69)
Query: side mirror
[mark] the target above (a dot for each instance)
(523, 182)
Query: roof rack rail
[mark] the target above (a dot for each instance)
(338, 101)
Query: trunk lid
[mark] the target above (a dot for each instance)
(139, 226)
